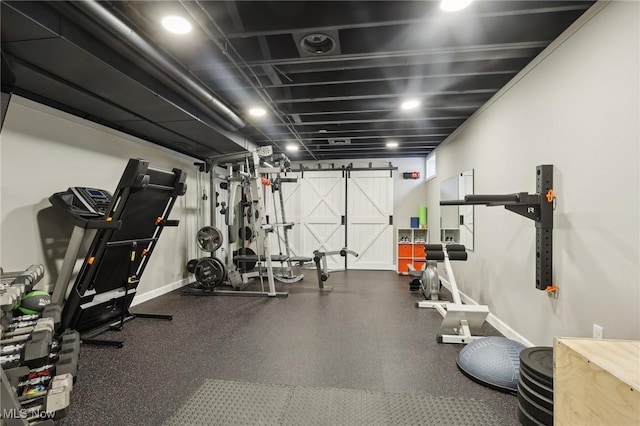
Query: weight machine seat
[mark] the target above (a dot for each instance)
(274, 258)
(300, 259)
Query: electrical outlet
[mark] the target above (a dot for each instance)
(598, 331)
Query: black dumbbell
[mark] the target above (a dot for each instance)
(68, 364)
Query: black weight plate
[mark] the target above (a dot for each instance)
(245, 265)
(525, 418)
(535, 396)
(191, 265)
(535, 385)
(538, 377)
(209, 273)
(205, 272)
(222, 267)
(536, 411)
(539, 361)
(245, 233)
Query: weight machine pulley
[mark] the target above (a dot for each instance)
(538, 207)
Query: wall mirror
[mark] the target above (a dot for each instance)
(456, 222)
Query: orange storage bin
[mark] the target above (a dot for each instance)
(418, 265)
(405, 250)
(418, 251)
(403, 265)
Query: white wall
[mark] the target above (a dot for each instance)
(45, 151)
(408, 194)
(578, 109)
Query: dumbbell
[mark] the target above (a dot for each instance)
(23, 318)
(8, 319)
(41, 379)
(34, 270)
(29, 277)
(9, 296)
(22, 376)
(52, 311)
(27, 327)
(15, 325)
(33, 389)
(33, 354)
(35, 350)
(65, 353)
(55, 402)
(67, 363)
(70, 338)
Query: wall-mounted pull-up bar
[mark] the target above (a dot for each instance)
(539, 208)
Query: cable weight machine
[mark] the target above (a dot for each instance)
(246, 178)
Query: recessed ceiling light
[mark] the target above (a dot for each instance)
(392, 144)
(176, 24)
(257, 111)
(454, 5)
(292, 147)
(410, 104)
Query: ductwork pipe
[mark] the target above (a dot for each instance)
(166, 68)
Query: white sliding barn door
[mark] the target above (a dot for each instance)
(322, 207)
(369, 208)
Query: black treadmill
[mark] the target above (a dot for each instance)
(126, 228)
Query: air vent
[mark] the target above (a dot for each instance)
(324, 43)
(339, 141)
(317, 43)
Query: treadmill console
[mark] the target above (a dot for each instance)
(87, 203)
(94, 200)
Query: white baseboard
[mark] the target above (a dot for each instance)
(496, 322)
(141, 298)
(507, 331)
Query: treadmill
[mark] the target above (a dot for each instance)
(125, 227)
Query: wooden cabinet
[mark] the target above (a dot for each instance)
(410, 248)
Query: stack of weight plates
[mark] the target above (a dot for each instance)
(535, 386)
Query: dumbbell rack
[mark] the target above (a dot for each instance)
(39, 363)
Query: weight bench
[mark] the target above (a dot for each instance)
(456, 315)
(283, 274)
(274, 258)
(127, 227)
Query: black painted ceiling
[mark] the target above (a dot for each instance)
(341, 104)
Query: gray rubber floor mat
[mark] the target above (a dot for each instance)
(223, 402)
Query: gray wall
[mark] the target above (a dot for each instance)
(45, 151)
(576, 107)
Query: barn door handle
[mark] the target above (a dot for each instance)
(391, 220)
(343, 220)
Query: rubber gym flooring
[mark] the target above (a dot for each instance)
(311, 358)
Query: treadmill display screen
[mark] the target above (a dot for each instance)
(95, 193)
